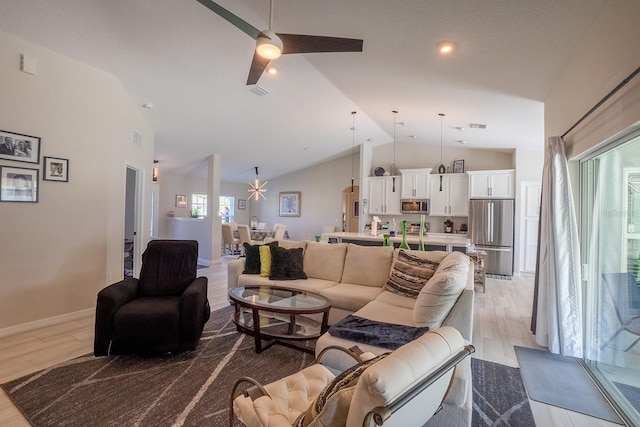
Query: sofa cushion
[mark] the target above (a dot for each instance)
(367, 265)
(324, 260)
(376, 310)
(440, 293)
(349, 296)
(252, 258)
(410, 273)
(292, 244)
(390, 298)
(311, 285)
(286, 264)
(265, 260)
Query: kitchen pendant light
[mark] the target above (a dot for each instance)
(353, 146)
(394, 170)
(441, 168)
(257, 189)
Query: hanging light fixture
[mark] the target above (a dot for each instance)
(441, 168)
(257, 189)
(394, 170)
(154, 173)
(353, 147)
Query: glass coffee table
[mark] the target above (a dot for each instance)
(279, 315)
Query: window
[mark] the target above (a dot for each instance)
(198, 205)
(226, 210)
(610, 236)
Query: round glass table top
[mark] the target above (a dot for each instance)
(274, 297)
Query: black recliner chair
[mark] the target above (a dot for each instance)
(163, 311)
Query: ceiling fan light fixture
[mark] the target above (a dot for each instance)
(446, 48)
(269, 45)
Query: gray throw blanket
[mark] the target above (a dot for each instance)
(380, 334)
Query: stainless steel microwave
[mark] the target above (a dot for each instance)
(420, 206)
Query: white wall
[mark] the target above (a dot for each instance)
(58, 253)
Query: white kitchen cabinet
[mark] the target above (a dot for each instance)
(382, 199)
(415, 183)
(493, 184)
(453, 200)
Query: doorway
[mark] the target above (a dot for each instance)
(351, 209)
(131, 222)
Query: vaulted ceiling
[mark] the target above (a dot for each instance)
(192, 66)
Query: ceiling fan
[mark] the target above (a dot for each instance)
(270, 45)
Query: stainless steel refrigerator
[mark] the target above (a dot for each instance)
(491, 227)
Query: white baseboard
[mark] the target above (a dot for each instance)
(30, 326)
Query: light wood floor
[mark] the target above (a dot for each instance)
(501, 320)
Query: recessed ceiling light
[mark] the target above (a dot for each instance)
(461, 129)
(403, 123)
(147, 105)
(307, 148)
(412, 136)
(462, 141)
(446, 48)
(272, 70)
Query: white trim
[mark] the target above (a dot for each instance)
(49, 321)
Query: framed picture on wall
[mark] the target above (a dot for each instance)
(290, 203)
(242, 204)
(458, 166)
(19, 147)
(181, 201)
(18, 184)
(55, 169)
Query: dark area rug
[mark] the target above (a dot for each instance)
(193, 389)
(499, 396)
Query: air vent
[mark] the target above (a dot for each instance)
(137, 138)
(259, 91)
(477, 126)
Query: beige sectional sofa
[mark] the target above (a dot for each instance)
(354, 278)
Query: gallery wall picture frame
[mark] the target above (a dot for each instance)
(290, 203)
(242, 204)
(55, 169)
(19, 147)
(458, 166)
(19, 184)
(181, 201)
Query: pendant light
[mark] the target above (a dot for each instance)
(353, 147)
(394, 170)
(441, 168)
(257, 189)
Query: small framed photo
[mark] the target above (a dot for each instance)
(458, 166)
(18, 184)
(181, 201)
(242, 204)
(55, 169)
(290, 203)
(19, 147)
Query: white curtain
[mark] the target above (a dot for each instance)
(557, 316)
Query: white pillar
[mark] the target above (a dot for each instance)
(213, 204)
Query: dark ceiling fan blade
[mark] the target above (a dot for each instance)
(240, 23)
(258, 65)
(300, 43)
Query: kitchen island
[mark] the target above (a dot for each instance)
(432, 241)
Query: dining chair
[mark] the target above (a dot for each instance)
(229, 239)
(279, 232)
(245, 236)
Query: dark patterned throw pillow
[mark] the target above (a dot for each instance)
(286, 264)
(409, 274)
(252, 261)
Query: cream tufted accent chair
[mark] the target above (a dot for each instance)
(405, 388)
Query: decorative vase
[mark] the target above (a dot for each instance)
(386, 242)
(420, 241)
(404, 244)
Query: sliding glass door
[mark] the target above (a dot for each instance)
(610, 244)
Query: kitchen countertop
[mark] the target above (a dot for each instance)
(434, 239)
